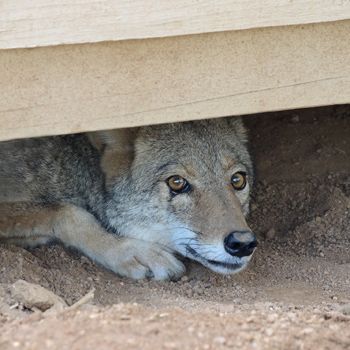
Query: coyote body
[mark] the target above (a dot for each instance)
(134, 200)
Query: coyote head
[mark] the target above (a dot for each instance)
(183, 185)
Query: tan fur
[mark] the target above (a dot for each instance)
(28, 224)
(116, 146)
(106, 194)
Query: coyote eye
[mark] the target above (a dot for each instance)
(178, 184)
(239, 180)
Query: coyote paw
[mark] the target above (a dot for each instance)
(139, 259)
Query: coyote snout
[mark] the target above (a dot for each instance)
(240, 243)
(228, 255)
(213, 227)
(134, 199)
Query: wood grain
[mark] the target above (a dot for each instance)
(25, 23)
(74, 88)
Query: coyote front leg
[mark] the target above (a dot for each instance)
(31, 224)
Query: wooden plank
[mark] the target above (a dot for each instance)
(73, 88)
(25, 23)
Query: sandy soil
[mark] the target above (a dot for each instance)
(294, 295)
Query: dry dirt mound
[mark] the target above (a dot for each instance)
(295, 294)
(136, 327)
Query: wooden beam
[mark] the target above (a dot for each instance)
(74, 88)
(25, 23)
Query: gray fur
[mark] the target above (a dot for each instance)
(130, 198)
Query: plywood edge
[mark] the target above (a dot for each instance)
(44, 23)
(75, 88)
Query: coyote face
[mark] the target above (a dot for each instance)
(187, 188)
(134, 199)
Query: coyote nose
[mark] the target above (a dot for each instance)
(240, 243)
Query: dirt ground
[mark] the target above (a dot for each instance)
(294, 295)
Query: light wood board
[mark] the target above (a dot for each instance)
(26, 23)
(73, 88)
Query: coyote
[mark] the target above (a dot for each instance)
(134, 200)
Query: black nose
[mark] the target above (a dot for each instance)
(240, 243)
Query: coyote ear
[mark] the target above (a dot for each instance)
(120, 140)
(236, 123)
(116, 148)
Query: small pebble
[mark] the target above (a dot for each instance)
(271, 233)
(184, 278)
(345, 309)
(219, 340)
(295, 119)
